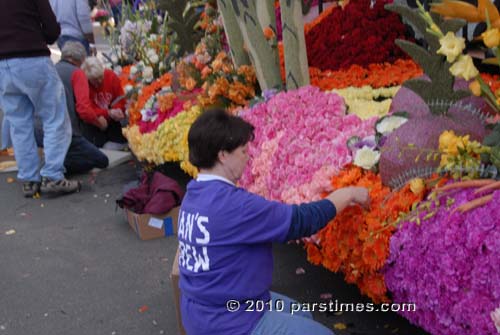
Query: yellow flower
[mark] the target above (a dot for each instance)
(463, 142)
(446, 137)
(444, 160)
(475, 88)
(464, 68)
(451, 46)
(491, 37)
(417, 185)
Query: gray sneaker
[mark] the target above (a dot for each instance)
(62, 186)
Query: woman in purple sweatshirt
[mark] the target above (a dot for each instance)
(226, 234)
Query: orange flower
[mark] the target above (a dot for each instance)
(190, 84)
(166, 101)
(268, 33)
(227, 68)
(356, 242)
(313, 254)
(205, 72)
(217, 65)
(248, 72)
(376, 75)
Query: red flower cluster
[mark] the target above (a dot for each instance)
(357, 34)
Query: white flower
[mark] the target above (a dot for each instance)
(114, 59)
(451, 46)
(495, 316)
(154, 59)
(140, 64)
(203, 58)
(148, 73)
(153, 37)
(390, 123)
(133, 70)
(366, 158)
(128, 88)
(162, 65)
(150, 52)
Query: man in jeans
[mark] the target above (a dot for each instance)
(29, 84)
(82, 155)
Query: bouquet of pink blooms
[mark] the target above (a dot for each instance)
(300, 142)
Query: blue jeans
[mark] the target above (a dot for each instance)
(5, 135)
(30, 86)
(66, 38)
(82, 155)
(285, 323)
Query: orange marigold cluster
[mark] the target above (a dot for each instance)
(375, 75)
(356, 242)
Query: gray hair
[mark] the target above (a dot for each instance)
(93, 68)
(74, 51)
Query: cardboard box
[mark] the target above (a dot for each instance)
(174, 279)
(149, 226)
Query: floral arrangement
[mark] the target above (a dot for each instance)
(359, 34)
(373, 75)
(447, 264)
(367, 102)
(460, 156)
(145, 93)
(221, 84)
(168, 143)
(164, 105)
(452, 46)
(141, 36)
(300, 142)
(356, 242)
(211, 69)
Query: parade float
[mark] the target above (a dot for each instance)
(349, 98)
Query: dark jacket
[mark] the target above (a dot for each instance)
(26, 27)
(65, 71)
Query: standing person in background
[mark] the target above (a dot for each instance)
(29, 84)
(82, 155)
(106, 93)
(76, 25)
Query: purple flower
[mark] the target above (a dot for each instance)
(268, 94)
(449, 267)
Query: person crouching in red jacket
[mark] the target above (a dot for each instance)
(107, 96)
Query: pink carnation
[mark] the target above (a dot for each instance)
(300, 142)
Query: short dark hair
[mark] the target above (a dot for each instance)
(213, 131)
